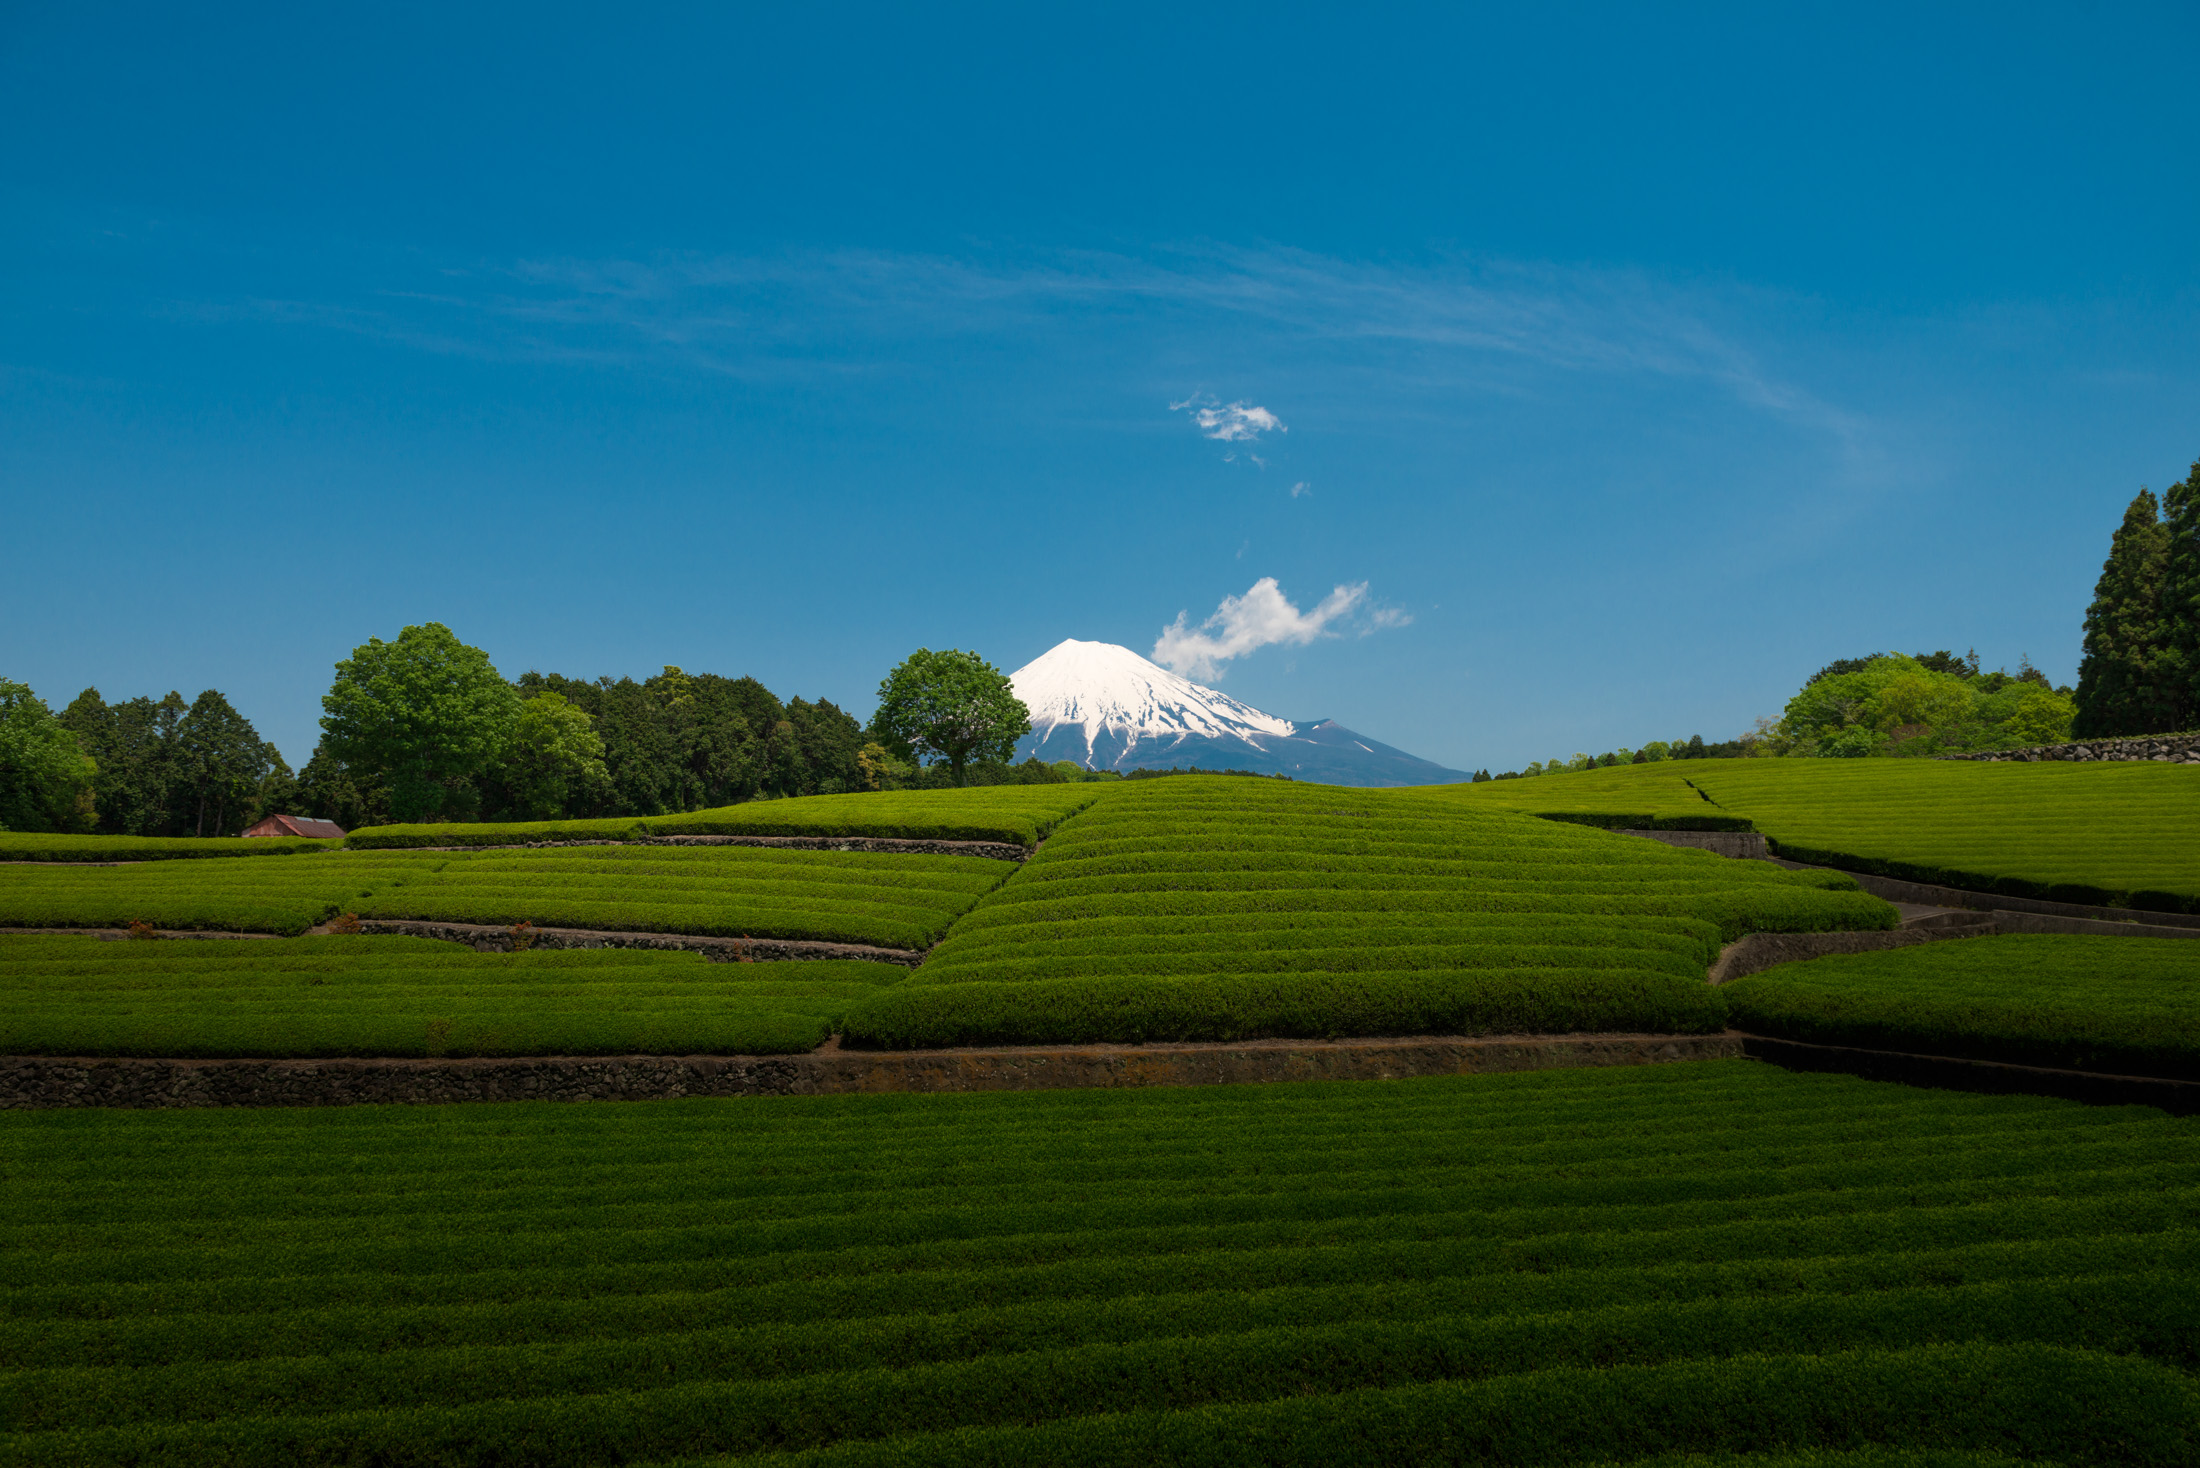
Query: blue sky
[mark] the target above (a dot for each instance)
(1621, 367)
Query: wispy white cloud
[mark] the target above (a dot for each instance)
(1300, 489)
(1238, 422)
(1262, 617)
(1436, 328)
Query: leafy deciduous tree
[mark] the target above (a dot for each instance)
(45, 777)
(422, 714)
(954, 706)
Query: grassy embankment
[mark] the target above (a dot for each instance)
(2109, 834)
(321, 997)
(1560, 1268)
(1220, 909)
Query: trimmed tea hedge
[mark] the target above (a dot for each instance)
(1566, 1267)
(1319, 910)
(1023, 814)
(2109, 834)
(317, 997)
(2123, 1005)
(32, 846)
(730, 891)
(1315, 1005)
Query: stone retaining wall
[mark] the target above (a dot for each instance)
(490, 938)
(1743, 845)
(2183, 749)
(42, 1082)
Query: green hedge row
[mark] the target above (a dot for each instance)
(1645, 952)
(1020, 814)
(336, 996)
(1142, 1010)
(856, 897)
(32, 846)
(2088, 894)
(1731, 914)
(2120, 1005)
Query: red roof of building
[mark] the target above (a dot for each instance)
(296, 826)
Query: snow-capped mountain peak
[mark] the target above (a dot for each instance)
(1099, 687)
(1105, 707)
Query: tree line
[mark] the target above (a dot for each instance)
(425, 728)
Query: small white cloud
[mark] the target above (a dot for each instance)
(1238, 422)
(1382, 617)
(1301, 488)
(1262, 617)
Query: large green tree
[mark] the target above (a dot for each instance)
(421, 715)
(951, 706)
(554, 760)
(2181, 601)
(45, 777)
(2123, 681)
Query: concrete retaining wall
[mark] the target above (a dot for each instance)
(40, 1082)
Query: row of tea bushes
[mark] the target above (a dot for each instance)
(33, 846)
(2109, 834)
(2127, 1006)
(1017, 814)
(1564, 1267)
(730, 891)
(409, 997)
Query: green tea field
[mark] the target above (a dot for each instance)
(1224, 909)
(893, 901)
(364, 996)
(2124, 1005)
(2101, 833)
(1557, 1268)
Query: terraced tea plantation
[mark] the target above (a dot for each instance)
(764, 892)
(2111, 834)
(1221, 909)
(1022, 814)
(1565, 1267)
(338, 996)
(2128, 1006)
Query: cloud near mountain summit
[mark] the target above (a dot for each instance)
(1262, 617)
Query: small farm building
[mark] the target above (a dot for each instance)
(295, 826)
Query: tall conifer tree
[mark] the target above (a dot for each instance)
(2181, 601)
(2121, 682)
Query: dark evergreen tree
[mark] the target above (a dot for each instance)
(2181, 602)
(220, 762)
(331, 792)
(2123, 685)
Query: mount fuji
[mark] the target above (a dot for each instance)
(1107, 708)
